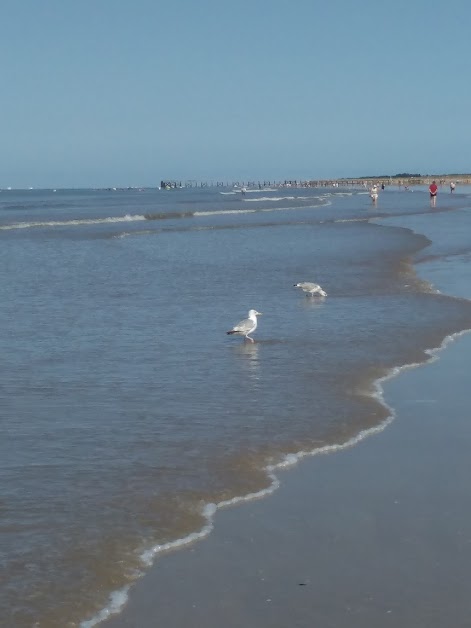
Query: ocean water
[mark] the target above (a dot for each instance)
(126, 412)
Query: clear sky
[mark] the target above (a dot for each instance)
(121, 92)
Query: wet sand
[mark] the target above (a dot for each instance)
(375, 535)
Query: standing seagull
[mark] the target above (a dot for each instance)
(247, 326)
(310, 288)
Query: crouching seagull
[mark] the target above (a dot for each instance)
(311, 289)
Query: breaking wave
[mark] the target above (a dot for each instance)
(128, 218)
(74, 222)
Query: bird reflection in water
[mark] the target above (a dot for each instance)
(311, 304)
(249, 355)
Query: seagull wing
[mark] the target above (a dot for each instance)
(244, 326)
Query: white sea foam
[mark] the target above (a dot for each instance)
(68, 223)
(352, 220)
(116, 602)
(272, 199)
(254, 190)
(226, 211)
(282, 198)
(223, 212)
(208, 512)
(282, 209)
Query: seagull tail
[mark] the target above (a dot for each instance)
(231, 332)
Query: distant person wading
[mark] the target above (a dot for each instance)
(433, 189)
(374, 194)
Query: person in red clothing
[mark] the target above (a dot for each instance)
(433, 189)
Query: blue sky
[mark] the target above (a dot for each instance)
(114, 92)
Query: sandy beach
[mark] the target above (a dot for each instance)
(378, 534)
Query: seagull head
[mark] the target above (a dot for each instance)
(253, 313)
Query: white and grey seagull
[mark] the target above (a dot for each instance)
(311, 289)
(247, 326)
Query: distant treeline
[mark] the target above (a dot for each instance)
(411, 175)
(401, 175)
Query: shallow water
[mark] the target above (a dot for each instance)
(125, 408)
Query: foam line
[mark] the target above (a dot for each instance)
(67, 223)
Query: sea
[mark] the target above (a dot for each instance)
(128, 416)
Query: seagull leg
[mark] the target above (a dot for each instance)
(249, 338)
